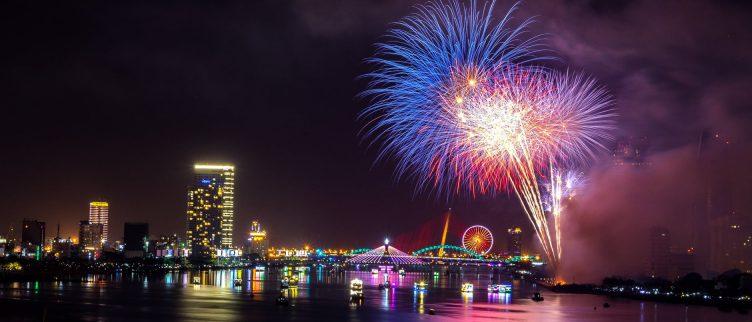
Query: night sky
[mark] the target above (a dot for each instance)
(118, 100)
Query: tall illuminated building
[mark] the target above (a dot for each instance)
(99, 213)
(90, 235)
(514, 241)
(257, 240)
(211, 208)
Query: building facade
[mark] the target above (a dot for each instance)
(32, 233)
(135, 237)
(659, 263)
(90, 236)
(211, 209)
(514, 241)
(257, 244)
(99, 213)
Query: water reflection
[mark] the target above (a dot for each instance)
(319, 296)
(501, 298)
(467, 298)
(419, 301)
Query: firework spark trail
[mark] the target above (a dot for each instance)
(411, 80)
(453, 102)
(562, 187)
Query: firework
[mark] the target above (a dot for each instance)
(413, 77)
(456, 104)
(562, 187)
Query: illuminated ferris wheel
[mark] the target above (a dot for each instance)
(478, 239)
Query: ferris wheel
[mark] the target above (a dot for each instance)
(478, 239)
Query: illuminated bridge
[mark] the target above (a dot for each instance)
(385, 255)
(427, 252)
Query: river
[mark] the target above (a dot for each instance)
(319, 297)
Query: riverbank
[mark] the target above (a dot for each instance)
(740, 303)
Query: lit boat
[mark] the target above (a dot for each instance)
(467, 287)
(499, 288)
(292, 281)
(537, 297)
(356, 289)
(238, 282)
(385, 284)
(402, 272)
(375, 271)
(260, 268)
(283, 300)
(420, 286)
(196, 280)
(288, 282)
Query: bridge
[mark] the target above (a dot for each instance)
(446, 248)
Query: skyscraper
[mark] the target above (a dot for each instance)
(211, 208)
(514, 242)
(32, 233)
(99, 213)
(135, 236)
(90, 235)
(257, 241)
(631, 152)
(660, 252)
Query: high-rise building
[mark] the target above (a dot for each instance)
(90, 235)
(211, 208)
(135, 236)
(32, 233)
(660, 253)
(257, 241)
(682, 263)
(631, 152)
(514, 241)
(99, 213)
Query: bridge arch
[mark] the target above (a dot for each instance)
(447, 247)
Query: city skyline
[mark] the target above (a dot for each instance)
(98, 111)
(390, 160)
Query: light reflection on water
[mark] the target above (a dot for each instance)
(320, 295)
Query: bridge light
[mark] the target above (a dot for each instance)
(386, 241)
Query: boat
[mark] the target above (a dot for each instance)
(386, 284)
(467, 287)
(283, 300)
(375, 271)
(402, 272)
(260, 268)
(238, 282)
(420, 286)
(537, 297)
(499, 288)
(196, 280)
(288, 282)
(356, 290)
